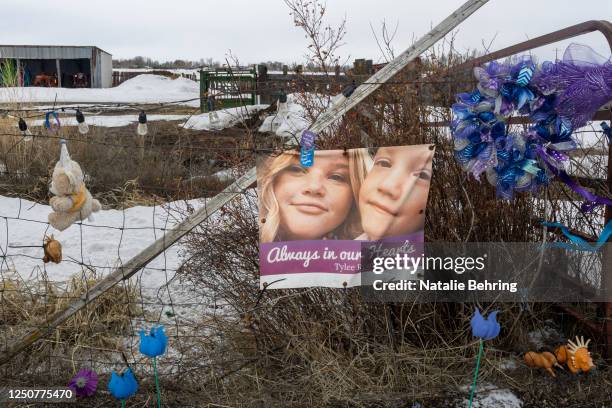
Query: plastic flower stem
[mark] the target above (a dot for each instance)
(156, 382)
(476, 372)
(122, 403)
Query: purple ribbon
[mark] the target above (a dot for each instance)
(592, 200)
(308, 139)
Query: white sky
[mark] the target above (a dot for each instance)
(261, 30)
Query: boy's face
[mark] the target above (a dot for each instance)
(394, 194)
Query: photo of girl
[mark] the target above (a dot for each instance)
(313, 221)
(393, 196)
(310, 203)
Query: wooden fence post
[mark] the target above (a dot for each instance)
(263, 87)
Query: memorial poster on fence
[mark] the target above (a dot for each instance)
(314, 221)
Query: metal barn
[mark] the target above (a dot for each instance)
(63, 66)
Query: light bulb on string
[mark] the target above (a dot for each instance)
(339, 99)
(23, 126)
(142, 124)
(83, 128)
(282, 102)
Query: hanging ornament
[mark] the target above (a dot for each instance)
(52, 122)
(71, 201)
(53, 250)
(307, 148)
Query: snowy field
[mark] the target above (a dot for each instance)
(141, 89)
(224, 118)
(112, 238)
(189, 71)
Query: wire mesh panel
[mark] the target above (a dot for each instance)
(229, 342)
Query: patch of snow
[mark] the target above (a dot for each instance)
(292, 120)
(144, 88)
(592, 136)
(222, 118)
(488, 396)
(222, 176)
(507, 364)
(173, 70)
(112, 238)
(543, 336)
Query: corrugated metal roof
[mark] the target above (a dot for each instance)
(48, 51)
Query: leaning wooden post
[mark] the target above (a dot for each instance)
(239, 186)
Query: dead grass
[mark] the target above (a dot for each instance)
(25, 305)
(172, 163)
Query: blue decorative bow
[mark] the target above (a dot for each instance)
(578, 243)
(515, 92)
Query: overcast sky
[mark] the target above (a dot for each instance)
(261, 30)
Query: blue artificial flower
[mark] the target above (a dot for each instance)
(485, 329)
(155, 344)
(123, 386)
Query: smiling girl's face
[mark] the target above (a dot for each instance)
(394, 194)
(314, 201)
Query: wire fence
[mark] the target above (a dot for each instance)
(204, 290)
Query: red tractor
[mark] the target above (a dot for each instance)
(45, 79)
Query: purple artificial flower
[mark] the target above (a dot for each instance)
(84, 383)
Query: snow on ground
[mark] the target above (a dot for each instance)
(173, 70)
(111, 120)
(547, 335)
(488, 396)
(226, 118)
(114, 236)
(141, 89)
(507, 364)
(291, 119)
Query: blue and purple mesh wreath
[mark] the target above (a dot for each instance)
(557, 97)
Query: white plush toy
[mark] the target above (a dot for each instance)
(72, 201)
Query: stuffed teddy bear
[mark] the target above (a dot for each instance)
(72, 201)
